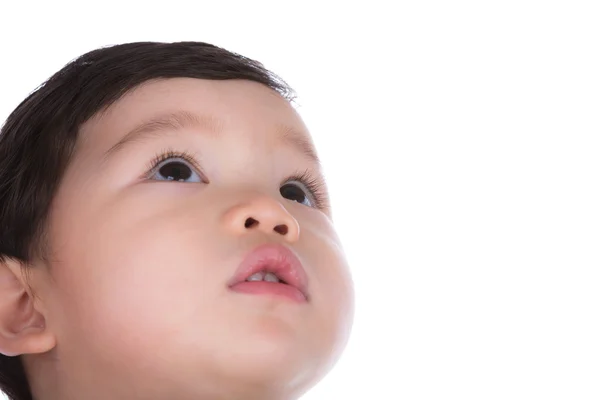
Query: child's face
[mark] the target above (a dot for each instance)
(138, 297)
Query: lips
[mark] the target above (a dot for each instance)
(278, 260)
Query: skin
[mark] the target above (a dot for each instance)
(135, 304)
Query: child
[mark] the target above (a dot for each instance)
(165, 233)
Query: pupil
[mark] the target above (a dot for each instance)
(293, 192)
(175, 171)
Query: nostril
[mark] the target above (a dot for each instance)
(250, 222)
(281, 229)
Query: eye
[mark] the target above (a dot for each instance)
(171, 166)
(296, 191)
(176, 171)
(307, 189)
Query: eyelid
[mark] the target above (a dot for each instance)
(311, 196)
(315, 186)
(169, 154)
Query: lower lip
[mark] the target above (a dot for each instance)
(270, 288)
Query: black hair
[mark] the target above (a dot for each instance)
(38, 139)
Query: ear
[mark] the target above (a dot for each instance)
(22, 327)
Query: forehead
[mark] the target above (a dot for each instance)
(234, 105)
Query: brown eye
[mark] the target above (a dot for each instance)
(176, 171)
(294, 192)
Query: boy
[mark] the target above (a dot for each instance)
(165, 233)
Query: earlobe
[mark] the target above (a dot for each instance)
(23, 328)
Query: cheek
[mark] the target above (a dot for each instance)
(338, 290)
(132, 283)
(334, 290)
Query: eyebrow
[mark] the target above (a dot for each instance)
(155, 127)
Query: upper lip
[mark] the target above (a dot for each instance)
(274, 258)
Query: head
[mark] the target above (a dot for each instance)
(133, 184)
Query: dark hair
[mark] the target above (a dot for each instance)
(38, 139)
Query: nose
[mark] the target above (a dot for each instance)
(264, 214)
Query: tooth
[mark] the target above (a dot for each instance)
(271, 277)
(256, 277)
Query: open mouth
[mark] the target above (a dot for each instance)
(271, 270)
(266, 277)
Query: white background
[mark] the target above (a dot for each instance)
(461, 145)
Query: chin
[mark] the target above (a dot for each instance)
(276, 353)
(283, 371)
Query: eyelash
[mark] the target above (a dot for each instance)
(314, 185)
(170, 153)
